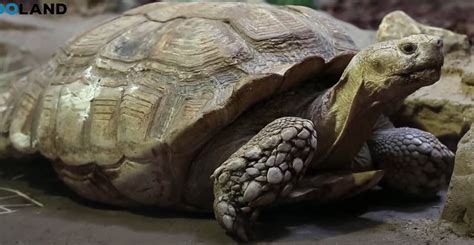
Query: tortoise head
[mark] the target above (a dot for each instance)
(392, 70)
(375, 81)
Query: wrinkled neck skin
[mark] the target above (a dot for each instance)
(344, 117)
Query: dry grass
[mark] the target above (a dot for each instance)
(15, 199)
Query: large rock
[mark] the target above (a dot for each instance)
(459, 207)
(398, 24)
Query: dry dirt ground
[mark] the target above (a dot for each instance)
(373, 218)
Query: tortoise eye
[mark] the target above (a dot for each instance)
(408, 48)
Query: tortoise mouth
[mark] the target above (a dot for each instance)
(426, 76)
(410, 82)
(420, 77)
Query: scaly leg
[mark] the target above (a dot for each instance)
(414, 161)
(261, 172)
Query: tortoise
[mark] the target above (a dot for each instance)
(229, 107)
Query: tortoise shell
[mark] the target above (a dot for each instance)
(158, 82)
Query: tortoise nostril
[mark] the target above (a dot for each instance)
(439, 43)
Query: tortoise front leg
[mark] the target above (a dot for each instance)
(261, 172)
(414, 161)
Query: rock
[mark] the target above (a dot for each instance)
(459, 208)
(455, 15)
(398, 24)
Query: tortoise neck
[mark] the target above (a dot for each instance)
(344, 116)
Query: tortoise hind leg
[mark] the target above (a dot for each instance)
(414, 161)
(261, 172)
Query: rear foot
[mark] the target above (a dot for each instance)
(414, 161)
(262, 171)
